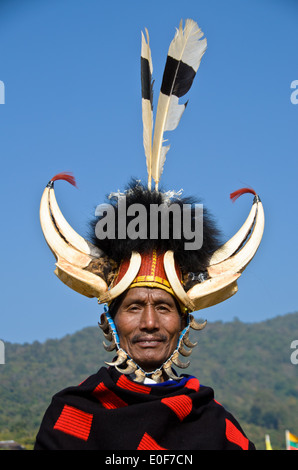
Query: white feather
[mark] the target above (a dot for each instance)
(147, 113)
(187, 47)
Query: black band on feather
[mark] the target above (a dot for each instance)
(146, 80)
(182, 78)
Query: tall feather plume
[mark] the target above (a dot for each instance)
(147, 102)
(184, 56)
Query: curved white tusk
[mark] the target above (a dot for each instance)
(213, 291)
(68, 232)
(80, 280)
(238, 262)
(57, 244)
(222, 282)
(232, 245)
(70, 261)
(169, 265)
(125, 282)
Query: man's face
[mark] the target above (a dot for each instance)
(148, 325)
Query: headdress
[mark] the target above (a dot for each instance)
(106, 267)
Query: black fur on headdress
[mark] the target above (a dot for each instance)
(189, 260)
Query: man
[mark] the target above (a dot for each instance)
(110, 411)
(150, 284)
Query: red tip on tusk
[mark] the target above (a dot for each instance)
(66, 176)
(239, 193)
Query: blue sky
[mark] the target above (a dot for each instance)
(71, 71)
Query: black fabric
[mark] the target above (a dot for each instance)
(118, 414)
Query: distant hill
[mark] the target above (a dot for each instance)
(248, 365)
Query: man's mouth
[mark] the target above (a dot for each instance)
(148, 341)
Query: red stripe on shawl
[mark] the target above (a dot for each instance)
(74, 422)
(107, 398)
(234, 435)
(148, 443)
(124, 382)
(181, 405)
(193, 384)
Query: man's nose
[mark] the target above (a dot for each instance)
(149, 318)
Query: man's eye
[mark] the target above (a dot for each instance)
(134, 307)
(163, 308)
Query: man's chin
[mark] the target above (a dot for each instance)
(150, 358)
(149, 364)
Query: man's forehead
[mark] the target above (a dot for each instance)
(142, 294)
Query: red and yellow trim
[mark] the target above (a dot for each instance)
(151, 273)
